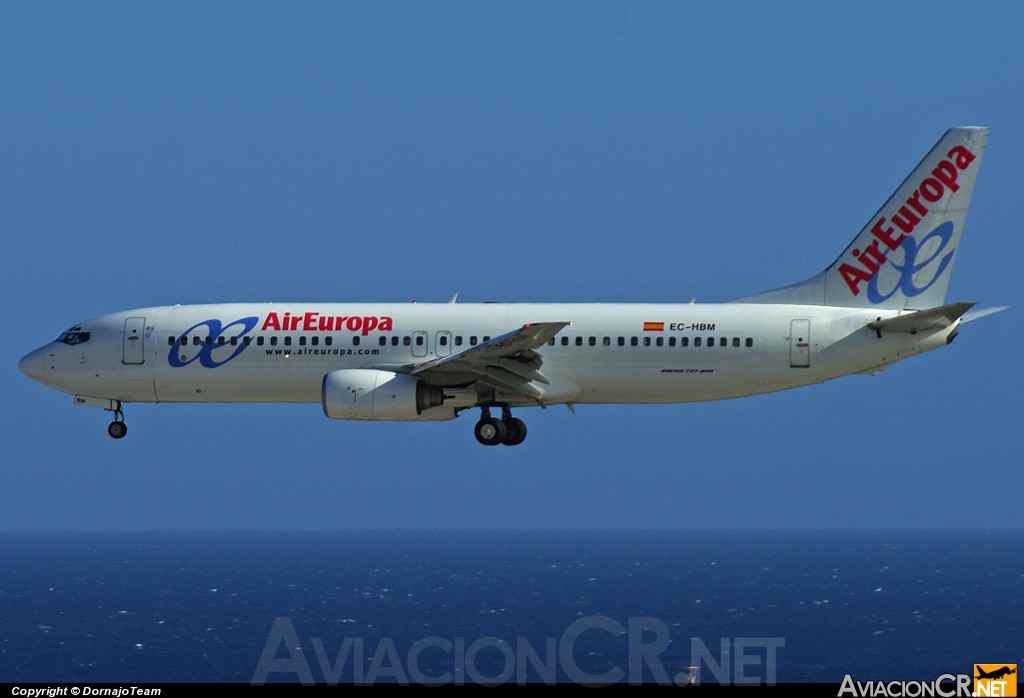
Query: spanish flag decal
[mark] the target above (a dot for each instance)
(654, 327)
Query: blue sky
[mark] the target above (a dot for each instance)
(154, 154)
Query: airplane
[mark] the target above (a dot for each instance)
(881, 301)
(996, 674)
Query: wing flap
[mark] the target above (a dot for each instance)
(524, 370)
(510, 382)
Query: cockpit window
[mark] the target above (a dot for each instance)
(73, 337)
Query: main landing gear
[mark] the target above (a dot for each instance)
(491, 431)
(117, 428)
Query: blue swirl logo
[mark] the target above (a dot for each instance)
(177, 356)
(911, 266)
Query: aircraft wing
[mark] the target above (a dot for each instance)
(509, 362)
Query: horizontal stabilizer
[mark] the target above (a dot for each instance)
(931, 319)
(982, 312)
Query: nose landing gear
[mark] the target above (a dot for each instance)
(117, 429)
(491, 431)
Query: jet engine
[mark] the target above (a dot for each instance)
(365, 393)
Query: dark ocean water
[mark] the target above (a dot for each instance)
(507, 606)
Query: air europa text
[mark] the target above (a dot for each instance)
(315, 322)
(868, 261)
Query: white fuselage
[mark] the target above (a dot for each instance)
(611, 353)
(880, 301)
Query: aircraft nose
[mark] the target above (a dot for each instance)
(33, 365)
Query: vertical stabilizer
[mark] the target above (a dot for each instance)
(903, 258)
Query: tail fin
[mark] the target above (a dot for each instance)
(903, 258)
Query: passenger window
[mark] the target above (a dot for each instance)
(696, 341)
(419, 340)
(622, 341)
(723, 342)
(355, 340)
(579, 341)
(259, 341)
(565, 341)
(671, 341)
(592, 341)
(551, 341)
(273, 341)
(328, 340)
(750, 341)
(647, 341)
(607, 341)
(711, 341)
(472, 340)
(407, 341)
(735, 341)
(458, 340)
(660, 341)
(487, 338)
(288, 341)
(196, 341)
(394, 341)
(383, 340)
(234, 341)
(170, 341)
(443, 340)
(633, 341)
(247, 341)
(314, 340)
(684, 341)
(209, 340)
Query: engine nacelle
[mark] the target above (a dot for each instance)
(366, 393)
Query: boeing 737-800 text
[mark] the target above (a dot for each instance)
(881, 301)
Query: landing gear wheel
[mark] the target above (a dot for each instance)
(117, 430)
(490, 431)
(515, 431)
